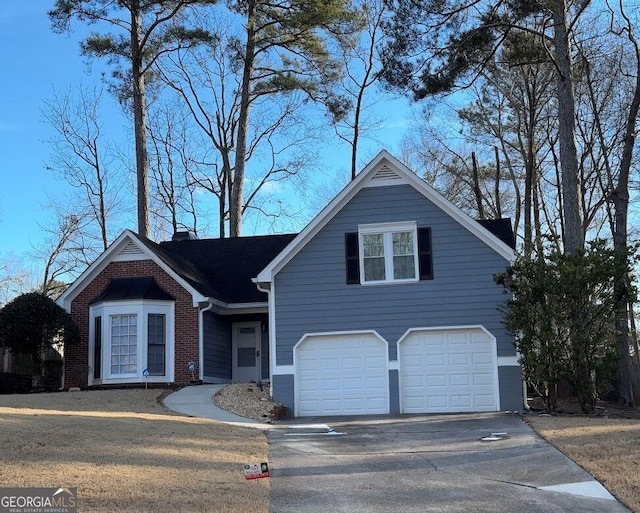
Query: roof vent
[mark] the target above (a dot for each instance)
(385, 175)
(131, 249)
(185, 235)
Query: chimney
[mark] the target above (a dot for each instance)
(185, 235)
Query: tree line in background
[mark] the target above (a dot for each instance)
(528, 110)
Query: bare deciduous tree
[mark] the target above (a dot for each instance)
(81, 155)
(207, 81)
(64, 252)
(172, 151)
(362, 69)
(142, 32)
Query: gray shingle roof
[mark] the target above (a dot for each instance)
(222, 268)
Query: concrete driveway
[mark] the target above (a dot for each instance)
(425, 464)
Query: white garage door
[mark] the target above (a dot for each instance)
(448, 370)
(341, 374)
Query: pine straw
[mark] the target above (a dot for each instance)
(246, 400)
(126, 452)
(609, 449)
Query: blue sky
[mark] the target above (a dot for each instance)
(35, 61)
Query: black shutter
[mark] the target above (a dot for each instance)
(352, 258)
(97, 347)
(425, 258)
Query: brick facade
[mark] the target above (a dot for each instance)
(186, 321)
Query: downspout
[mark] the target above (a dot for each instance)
(272, 331)
(203, 309)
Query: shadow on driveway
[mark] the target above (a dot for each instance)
(424, 463)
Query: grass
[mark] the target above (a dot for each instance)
(607, 448)
(126, 452)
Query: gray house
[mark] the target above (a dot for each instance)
(384, 303)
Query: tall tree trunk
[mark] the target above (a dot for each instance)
(528, 192)
(225, 191)
(237, 185)
(356, 134)
(539, 244)
(102, 209)
(573, 232)
(620, 235)
(140, 120)
(476, 185)
(516, 188)
(496, 190)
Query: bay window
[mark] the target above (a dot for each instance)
(131, 337)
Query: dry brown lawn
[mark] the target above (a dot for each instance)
(126, 452)
(609, 449)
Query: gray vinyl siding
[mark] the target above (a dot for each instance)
(394, 392)
(217, 346)
(282, 385)
(264, 355)
(510, 382)
(311, 293)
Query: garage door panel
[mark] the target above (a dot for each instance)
(484, 401)
(459, 359)
(461, 401)
(483, 380)
(349, 372)
(435, 359)
(437, 402)
(432, 381)
(482, 358)
(414, 382)
(460, 380)
(448, 370)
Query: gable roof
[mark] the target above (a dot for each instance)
(219, 269)
(384, 170)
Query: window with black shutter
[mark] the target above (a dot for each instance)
(97, 347)
(352, 258)
(425, 257)
(388, 253)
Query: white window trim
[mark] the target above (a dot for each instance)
(387, 229)
(141, 308)
(107, 365)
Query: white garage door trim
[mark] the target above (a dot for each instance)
(378, 383)
(454, 402)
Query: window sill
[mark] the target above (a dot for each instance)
(389, 282)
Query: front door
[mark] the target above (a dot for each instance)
(246, 352)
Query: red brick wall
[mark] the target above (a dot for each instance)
(186, 321)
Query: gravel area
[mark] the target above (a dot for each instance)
(247, 400)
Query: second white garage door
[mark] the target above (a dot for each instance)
(448, 370)
(342, 374)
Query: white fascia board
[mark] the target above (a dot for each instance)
(449, 208)
(223, 308)
(93, 270)
(362, 180)
(105, 259)
(318, 222)
(466, 221)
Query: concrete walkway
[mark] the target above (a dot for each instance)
(197, 401)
